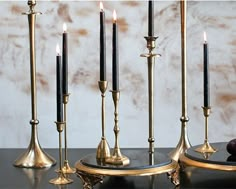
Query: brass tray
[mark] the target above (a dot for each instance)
(91, 172)
(219, 160)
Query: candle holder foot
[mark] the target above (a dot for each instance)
(61, 179)
(118, 159)
(206, 148)
(67, 169)
(103, 150)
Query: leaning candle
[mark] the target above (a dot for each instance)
(59, 86)
(102, 44)
(150, 18)
(115, 63)
(64, 61)
(206, 73)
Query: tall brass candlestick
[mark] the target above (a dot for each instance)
(66, 168)
(117, 158)
(150, 62)
(34, 157)
(206, 147)
(184, 141)
(61, 179)
(103, 149)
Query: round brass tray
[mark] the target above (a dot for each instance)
(88, 169)
(219, 160)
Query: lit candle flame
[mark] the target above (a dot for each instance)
(114, 16)
(205, 37)
(58, 49)
(64, 27)
(101, 6)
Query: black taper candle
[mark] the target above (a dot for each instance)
(64, 61)
(115, 55)
(59, 86)
(102, 44)
(150, 18)
(206, 82)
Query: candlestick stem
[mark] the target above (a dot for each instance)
(206, 147)
(151, 62)
(117, 158)
(183, 141)
(34, 157)
(61, 179)
(103, 149)
(66, 168)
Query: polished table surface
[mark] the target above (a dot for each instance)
(19, 178)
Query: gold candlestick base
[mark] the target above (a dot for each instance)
(103, 151)
(206, 148)
(118, 159)
(67, 169)
(61, 179)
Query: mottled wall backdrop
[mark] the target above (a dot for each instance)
(217, 18)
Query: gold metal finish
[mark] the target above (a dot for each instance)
(117, 158)
(66, 168)
(34, 157)
(184, 141)
(190, 162)
(91, 174)
(103, 149)
(62, 178)
(151, 61)
(206, 147)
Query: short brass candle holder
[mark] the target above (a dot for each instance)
(62, 178)
(66, 168)
(34, 157)
(151, 62)
(206, 147)
(103, 149)
(117, 158)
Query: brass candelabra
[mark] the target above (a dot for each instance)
(206, 147)
(34, 157)
(67, 169)
(183, 141)
(117, 158)
(103, 149)
(62, 178)
(151, 62)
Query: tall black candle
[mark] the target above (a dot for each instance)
(59, 86)
(102, 44)
(206, 82)
(64, 61)
(115, 55)
(150, 18)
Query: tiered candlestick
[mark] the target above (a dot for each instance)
(103, 149)
(34, 157)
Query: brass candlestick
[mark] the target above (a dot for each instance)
(66, 168)
(117, 158)
(183, 141)
(61, 179)
(206, 147)
(151, 62)
(34, 157)
(103, 149)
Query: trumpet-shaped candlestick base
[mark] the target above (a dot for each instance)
(67, 169)
(34, 157)
(103, 150)
(61, 179)
(206, 148)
